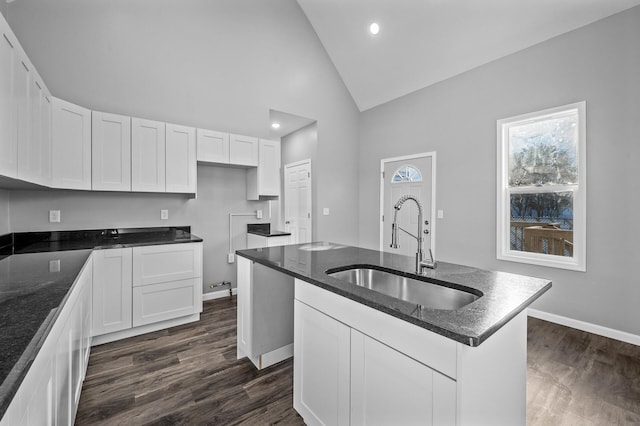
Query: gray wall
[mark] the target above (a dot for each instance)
(600, 64)
(4, 212)
(297, 146)
(220, 65)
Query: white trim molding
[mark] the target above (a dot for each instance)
(611, 333)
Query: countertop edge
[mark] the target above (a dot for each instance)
(466, 339)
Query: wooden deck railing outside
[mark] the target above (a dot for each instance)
(540, 237)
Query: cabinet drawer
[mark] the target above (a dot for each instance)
(166, 263)
(159, 302)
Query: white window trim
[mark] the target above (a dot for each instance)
(503, 250)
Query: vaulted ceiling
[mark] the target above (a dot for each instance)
(422, 42)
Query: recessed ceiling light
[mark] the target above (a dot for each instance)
(275, 125)
(374, 28)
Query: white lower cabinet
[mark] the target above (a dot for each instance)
(382, 377)
(136, 290)
(112, 276)
(321, 367)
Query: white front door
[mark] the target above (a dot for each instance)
(297, 201)
(410, 175)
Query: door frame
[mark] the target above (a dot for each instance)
(432, 155)
(284, 192)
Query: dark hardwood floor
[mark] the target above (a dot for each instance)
(189, 375)
(579, 378)
(186, 375)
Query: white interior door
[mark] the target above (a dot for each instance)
(412, 175)
(297, 201)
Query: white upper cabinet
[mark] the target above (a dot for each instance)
(213, 147)
(25, 115)
(243, 150)
(110, 152)
(181, 163)
(8, 136)
(147, 155)
(34, 130)
(70, 146)
(265, 180)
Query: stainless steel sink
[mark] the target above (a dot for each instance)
(426, 294)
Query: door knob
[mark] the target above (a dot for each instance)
(287, 222)
(426, 231)
(426, 222)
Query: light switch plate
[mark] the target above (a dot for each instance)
(54, 216)
(440, 214)
(164, 214)
(325, 211)
(258, 214)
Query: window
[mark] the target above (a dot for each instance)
(541, 217)
(407, 173)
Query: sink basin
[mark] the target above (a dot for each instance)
(424, 293)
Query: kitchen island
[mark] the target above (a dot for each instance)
(361, 355)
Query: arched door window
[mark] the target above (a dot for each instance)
(406, 173)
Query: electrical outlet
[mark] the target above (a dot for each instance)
(231, 257)
(54, 265)
(259, 214)
(164, 214)
(54, 216)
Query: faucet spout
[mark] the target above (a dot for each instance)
(421, 263)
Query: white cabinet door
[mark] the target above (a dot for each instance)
(22, 81)
(46, 117)
(159, 302)
(213, 147)
(269, 168)
(382, 377)
(181, 162)
(34, 128)
(170, 262)
(70, 146)
(147, 155)
(243, 150)
(264, 181)
(8, 135)
(112, 271)
(321, 367)
(110, 152)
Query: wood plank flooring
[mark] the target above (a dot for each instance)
(579, 378)
(186, 375)
(189, 375)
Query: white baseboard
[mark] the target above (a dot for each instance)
(218, 294)
(611, 333)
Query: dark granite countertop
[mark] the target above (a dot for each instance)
(264, 230)
(34, 242)
(37, 271)
(504, 295)
(32, 289)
